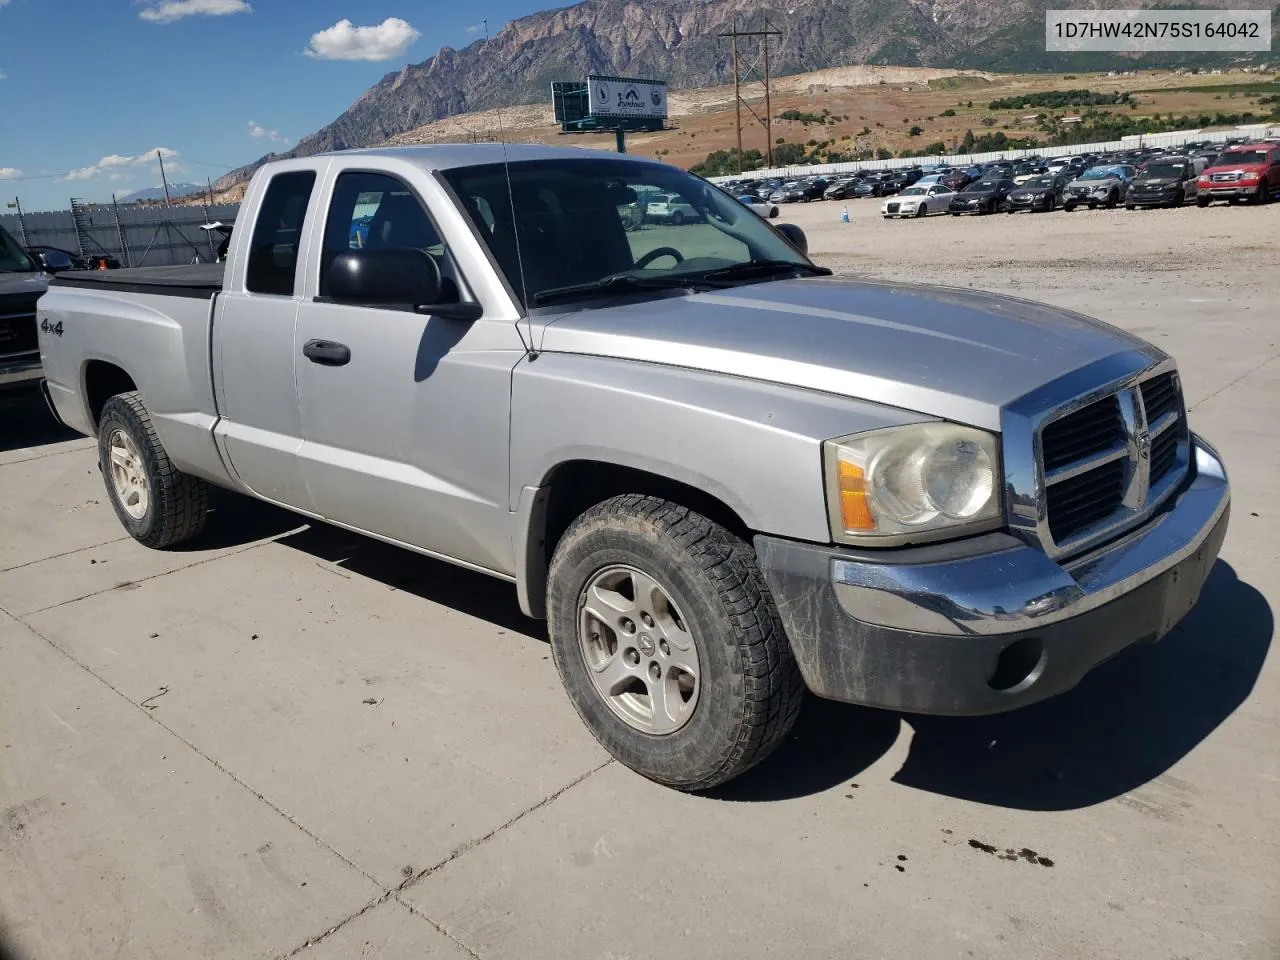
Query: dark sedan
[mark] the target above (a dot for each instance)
(873, 186)
(981, 196)
(789, 193)
(956, 179)
(1039, 193)
(841, 189)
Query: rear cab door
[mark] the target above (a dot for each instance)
(260, 428)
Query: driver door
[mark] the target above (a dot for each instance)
(405, 419)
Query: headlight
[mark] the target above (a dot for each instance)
(1101, 189)
(921, 482)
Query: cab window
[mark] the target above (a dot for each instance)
(375, 211)
(277, 236)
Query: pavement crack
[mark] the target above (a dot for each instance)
(319, 938)
(156, 576)
(1252, 370)
(65, 553)
(478, 841)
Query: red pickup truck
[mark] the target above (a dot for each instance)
(1248, 171)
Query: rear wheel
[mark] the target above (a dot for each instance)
(668, 643)
(158, 504)
(677, 218)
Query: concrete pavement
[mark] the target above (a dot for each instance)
(289, 741)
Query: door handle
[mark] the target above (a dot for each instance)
(327, 353)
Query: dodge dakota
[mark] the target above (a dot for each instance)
(721, 474)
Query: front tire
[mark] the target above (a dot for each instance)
(668, 643)
(922, 211)
(1202, 202)
(158, 505)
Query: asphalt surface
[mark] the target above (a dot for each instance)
(290, 741)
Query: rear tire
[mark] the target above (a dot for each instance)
(677, 219)
(159, 505)
(665, 577)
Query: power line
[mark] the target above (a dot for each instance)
(738, 101)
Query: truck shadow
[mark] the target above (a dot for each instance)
(1128, 722)
(26, 422)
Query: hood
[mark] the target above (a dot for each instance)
(1103, 182)
(32, 284)
(940, 351)
(1155, 182)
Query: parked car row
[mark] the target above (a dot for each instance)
(1197, 172)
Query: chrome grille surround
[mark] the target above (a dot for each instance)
(1140, 445)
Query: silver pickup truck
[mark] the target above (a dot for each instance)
(719, 473)
(21, 284)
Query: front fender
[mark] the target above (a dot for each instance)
(756, 446)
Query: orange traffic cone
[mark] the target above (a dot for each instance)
(102, 264)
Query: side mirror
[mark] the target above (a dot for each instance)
(794, 236)
(393, 277)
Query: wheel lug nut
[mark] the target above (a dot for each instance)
(628, 626)
(633, 656)
(666, 650)
(655, 671)
(646, 619)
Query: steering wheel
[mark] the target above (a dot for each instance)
(653, 255)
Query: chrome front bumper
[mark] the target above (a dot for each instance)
(934, 629)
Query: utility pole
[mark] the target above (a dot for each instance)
(22, 224)
(163, 179)
(737, 91)
(764, 34)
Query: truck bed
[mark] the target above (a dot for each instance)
(200, 280)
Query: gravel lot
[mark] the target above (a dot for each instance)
(290, 741)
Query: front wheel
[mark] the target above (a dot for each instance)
(1068, 207)
(668, 643)
(1112, 200)
(158, 505)
(1202, 202)
(922, 211)
(1261, 195)
(1130, 206)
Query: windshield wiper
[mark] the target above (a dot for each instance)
(618, 283)
(762, 268)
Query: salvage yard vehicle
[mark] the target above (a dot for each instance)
(1100, 186)
(1163, 182)
(1037, 193)
(918, 201)
(764, 208)
(721, 474)
(1242, 172)
(21, 284)
(982, 196)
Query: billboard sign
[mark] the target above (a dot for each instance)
(623, 97)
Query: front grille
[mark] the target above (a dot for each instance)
(1108, 464)
(1226, 177)
(892, 208)
(1159, 396)
(18, 324)
(1080, 435)
(1082, 501)
(1164, 454)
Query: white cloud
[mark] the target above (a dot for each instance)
(9, 173)
(343, 41)
(475, 28)
(171, 10)
(3, 75)
(259, 132)
(116, 161)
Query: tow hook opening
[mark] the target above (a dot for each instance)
(1018, 666)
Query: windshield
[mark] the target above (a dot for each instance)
(1242, 156)
(13, 259)
(1160, 171)
(1037, 183)
(1099, 173)
(576, 222)
(982, 186)
(913, 192)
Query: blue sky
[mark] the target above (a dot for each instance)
(89, 89)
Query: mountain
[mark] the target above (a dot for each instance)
(176, 190)
(679, 41)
